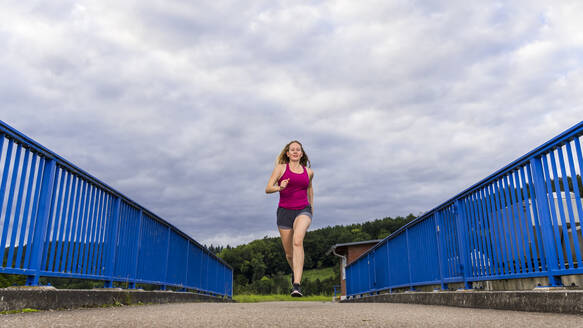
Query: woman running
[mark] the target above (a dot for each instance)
(292, 177)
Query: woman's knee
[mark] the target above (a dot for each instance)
(297, 242)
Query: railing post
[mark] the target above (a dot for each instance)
(132, 284)
(187, 262)
(460, 219)
(206, 272)
(389, 266)
(42, 219)
(542, 204)
(373, 270)
(112, 242)
(409, 260)
(440, 256)
(163, 287)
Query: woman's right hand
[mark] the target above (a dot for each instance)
(272, 185)
(283, 184)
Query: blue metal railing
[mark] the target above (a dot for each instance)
(522, 221)
(56, 220)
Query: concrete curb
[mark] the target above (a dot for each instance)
(48, 299)
(556, 301)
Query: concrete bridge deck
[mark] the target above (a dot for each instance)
(289, 314)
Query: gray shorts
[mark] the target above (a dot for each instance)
(286, 217)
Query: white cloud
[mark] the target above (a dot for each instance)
(184, 106)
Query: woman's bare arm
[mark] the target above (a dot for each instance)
(272, 185)
(311, 190)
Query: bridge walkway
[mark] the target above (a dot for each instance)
(289, 314)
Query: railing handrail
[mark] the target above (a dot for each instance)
(573, 132)
(11, 132)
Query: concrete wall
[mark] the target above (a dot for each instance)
(41, 298)
(557, 301)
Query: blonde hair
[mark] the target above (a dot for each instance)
(283, 159)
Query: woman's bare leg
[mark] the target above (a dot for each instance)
(301, 225)
(286, 241)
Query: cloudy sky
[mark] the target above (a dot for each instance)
(184, 105)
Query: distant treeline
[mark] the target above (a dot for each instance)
(524, 192)
(260, 266)
(58, 253)
(569, 184)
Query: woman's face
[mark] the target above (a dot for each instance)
(295, 152)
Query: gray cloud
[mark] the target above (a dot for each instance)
(184, 106)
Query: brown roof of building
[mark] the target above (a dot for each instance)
(374, 241)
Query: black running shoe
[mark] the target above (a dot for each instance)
(296, 292)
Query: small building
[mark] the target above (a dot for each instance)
(348, 252)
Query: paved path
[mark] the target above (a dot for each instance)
(288, 314)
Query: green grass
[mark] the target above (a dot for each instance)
(245, 298)
(314, 274)
(25, 310)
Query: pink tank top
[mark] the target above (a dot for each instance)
(295, 195)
